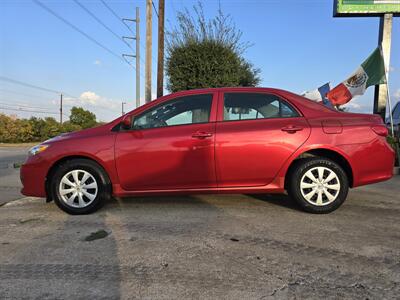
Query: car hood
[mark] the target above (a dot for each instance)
(79, 134)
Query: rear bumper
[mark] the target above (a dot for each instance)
(371, 163)
(33, 178)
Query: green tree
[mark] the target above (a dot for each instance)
(14, 130)
(38, 129)
(207, 53)
(7, 129)
(67, 126)
(51, 129)
(24, 131)
(82, 118)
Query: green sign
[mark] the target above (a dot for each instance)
(349, 8)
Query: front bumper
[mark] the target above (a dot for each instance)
(33, 179)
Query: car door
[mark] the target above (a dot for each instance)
(170, 146)
(255, 134)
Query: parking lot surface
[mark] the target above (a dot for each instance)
(10, 184)
(204, 247)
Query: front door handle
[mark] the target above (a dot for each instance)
(291, 129)
(201, 135)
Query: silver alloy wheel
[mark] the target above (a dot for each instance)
(78, 188)
(320, 186)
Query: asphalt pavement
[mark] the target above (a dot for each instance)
(10, 184)
(204, 247)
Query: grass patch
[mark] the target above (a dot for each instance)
(17, 165)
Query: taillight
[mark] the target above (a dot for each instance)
(380, 130)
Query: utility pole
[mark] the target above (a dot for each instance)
(160, 58)
(148, 50)
(137, 58)
(137, 54)
(61, 105)
(122, 107)
(385, 33)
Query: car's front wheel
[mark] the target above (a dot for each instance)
(79, 186)
(318, 185)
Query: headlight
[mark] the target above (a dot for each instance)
(37, 149)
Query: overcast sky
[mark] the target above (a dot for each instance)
(297, 44)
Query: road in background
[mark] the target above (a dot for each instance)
(10, 184)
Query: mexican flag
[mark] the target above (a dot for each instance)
(371, 72)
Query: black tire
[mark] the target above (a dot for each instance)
(103, 189)
(297, 176)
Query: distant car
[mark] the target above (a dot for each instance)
(222, 140)
(396, 119)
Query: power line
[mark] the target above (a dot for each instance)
(116, 15)
(27, 110)
(101, 22)
(28, 85)
(127, 26)
(28, 105)
(4, 78)
(79, 30)
(18, 93)
(22, 105)
(155, 10)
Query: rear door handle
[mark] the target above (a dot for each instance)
(201, 135)
(291, 129)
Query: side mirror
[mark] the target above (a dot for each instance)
(126, 122)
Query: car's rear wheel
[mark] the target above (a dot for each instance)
(318, 185)
(79, 186)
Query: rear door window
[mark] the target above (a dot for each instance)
(251, 106)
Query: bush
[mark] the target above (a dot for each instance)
(13, 130)
(207, 53)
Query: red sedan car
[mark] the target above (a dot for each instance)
(222, 140)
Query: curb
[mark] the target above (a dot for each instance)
(11, 165)
(19, 201)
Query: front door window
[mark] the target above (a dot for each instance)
(185, 110)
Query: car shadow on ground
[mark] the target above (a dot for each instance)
(277, 199)
(282, 200)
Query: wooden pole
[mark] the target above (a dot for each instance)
(385, 39)
(61, 107)
(137, 58)
(148, 50)
(160, 58)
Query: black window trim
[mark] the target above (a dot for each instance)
(281, 98)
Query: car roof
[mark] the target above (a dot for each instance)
(222, 89)
(305, 106)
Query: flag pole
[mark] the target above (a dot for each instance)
(388, 93)
(390, 108)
